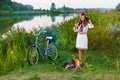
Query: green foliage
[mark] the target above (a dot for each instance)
(118, 7)
(99, 64)
(13, 49)
(8, 5)
(53, 7)
(35, 78)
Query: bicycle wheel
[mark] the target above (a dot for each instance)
(33, 55)
(53, 55)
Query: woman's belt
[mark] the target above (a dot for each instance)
(82, 32)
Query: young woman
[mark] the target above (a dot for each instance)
(82, 40)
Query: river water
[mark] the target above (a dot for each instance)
(42, 21)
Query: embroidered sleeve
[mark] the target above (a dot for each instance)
(75, 29)
(90, 26)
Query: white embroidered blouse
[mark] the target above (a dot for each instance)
(81, 29)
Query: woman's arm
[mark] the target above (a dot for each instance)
(90, 21)
(75, 28)
(90, 25)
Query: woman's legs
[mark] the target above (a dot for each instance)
(80, 54)
(85, 52)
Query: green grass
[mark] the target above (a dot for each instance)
(103, 58)
(97, 67)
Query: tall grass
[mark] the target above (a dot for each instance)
(13, 49)
(105, 37)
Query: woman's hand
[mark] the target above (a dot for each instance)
(76, 25)
(91, 25)
(90, 21)
(75, 28)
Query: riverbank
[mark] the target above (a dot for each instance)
(31, 13)
(103, 55)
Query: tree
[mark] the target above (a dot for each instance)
(52, 8)
(64, 7)
(8, 5)
(5, 5)
(118, 7)
(28, 8)
(15, 6)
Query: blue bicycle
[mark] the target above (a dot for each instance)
(38, 49)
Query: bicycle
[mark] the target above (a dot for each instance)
(36, 50)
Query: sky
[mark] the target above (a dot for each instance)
(45, 4)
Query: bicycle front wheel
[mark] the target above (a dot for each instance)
(33, 55)
(53, 52)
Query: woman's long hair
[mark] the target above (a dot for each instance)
(86, 21)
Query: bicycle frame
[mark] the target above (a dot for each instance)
(40, 47)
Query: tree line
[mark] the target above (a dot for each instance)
(118, 7)
(8, 5)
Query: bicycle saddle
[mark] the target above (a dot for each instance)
(49, 38)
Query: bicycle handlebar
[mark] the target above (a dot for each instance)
(40, 32)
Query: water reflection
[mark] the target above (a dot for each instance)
(30, 22)
(7, 22)
(43, 21)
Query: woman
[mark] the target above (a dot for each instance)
(82, 41)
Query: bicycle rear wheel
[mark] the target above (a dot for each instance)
(33, 55)
(53, 55)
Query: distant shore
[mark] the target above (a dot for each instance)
(29, 13)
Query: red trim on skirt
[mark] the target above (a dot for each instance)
(82, 33)
(82, 48)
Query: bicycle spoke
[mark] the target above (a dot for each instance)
(53, 52)
(33, 55)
